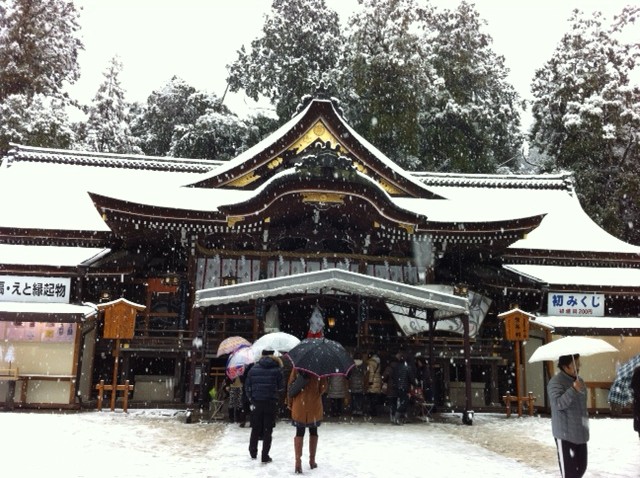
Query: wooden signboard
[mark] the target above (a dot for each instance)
(516, 325)
(120, 318)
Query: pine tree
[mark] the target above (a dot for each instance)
(586, 118)
(167, 110)
(38, 46)
(34, 120)
(386, 75)
(300, 46)
(38, 54)
(472, 121)
(107, 129)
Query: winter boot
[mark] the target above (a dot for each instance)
(313, 446)
(297, 446)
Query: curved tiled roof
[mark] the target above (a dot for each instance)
(560, 181)
(20, 152)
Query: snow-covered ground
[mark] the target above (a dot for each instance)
(158, 444)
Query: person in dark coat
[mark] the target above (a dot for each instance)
(357, 386)
(263, 384)
(423, 376)
(399, 377)
(635, 386)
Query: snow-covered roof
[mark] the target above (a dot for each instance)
(48, 255)
(565, 227)
(47, 189)
(582, 322)
(47, 309)
(575, 275)
(335, 279)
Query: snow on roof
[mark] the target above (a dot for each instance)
(485, 197)
(48, 255)
(120, 300)
(252, 151)
(342, 280)
(573, 275)
(47, 308)
(53, 195)
(582, 322)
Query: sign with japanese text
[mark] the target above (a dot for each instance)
(35, 289)
(575, 303)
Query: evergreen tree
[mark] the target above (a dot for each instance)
(214, 135)
(107, 129)
(38, 54)
(38, 46)
(586, 117)
(300, 46)
(386, 75)
(34, 120)
(166, 112)
(471, 122)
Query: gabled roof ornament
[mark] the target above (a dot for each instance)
(321, 93)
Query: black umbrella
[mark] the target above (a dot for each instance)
(321, 357)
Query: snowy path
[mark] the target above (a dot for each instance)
(158, 444)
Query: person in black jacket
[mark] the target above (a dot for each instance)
(263, 384)
(635, 387)
(400, 377)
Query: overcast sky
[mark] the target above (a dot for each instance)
(196, 39)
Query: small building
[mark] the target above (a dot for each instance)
(313, 219)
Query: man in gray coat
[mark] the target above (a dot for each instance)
(569, 416)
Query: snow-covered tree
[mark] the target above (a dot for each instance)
(38, 46)
(300, 46)
(386, 75)
(34, 120)
(107, 129)
(179, 120)
(214, 135)
(168, 109)
(471, 122)
(587, 117)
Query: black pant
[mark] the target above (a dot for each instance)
(263, 419)
(572, 458)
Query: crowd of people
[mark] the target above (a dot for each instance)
(271, 389)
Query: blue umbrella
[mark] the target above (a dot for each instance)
(621, 392)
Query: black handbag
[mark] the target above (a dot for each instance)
(297, 385)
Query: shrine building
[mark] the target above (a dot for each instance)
(313, 219)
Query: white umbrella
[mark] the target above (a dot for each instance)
(571, 346)
(278, 341)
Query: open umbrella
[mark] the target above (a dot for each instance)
(279, 341)
(621, 392)
(231, 344)
(570, 346)
(237, 362)
(321, 357)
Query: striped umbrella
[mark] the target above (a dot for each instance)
(231, 344)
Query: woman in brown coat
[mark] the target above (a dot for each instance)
(304, 399)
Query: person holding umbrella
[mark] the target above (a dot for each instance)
(304, 399)
(263, 384)
(313, 359)
(569, 416)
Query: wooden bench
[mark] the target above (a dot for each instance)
(126, 388)
(509, 399)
